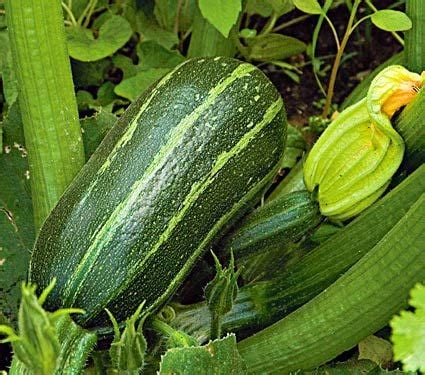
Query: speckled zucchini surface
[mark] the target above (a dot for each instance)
(184, 160)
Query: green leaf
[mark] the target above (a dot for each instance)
(113, 34)
(132, 87)
(391, 20)
(274, 47)
(308, 6)
(408, 334)
(142, 21)
(153, 55)
(90, 73)
(377, 350)
(94, 129)
(261, 7)
(222, 14)
(281, 7)
(168, 14)
(16, 216)
(126, 65)
(295, 147)
(217, 357)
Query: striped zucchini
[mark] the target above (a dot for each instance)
(180, 165)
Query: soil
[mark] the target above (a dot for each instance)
(370, 47)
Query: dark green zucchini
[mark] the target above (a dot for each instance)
(181, 164)
(275, 224)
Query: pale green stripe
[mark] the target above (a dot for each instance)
(105, 234)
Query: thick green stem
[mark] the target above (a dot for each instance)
(215, 331)
(410, 125)
(46, 98)
(415, 37)
(206, 40)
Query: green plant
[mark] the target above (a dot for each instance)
(409, 332)
(47, 343)
(387, 19)
(46, 99)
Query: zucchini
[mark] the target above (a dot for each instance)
(263, 303)
(358, 304)
(277, 223)
(182, 163)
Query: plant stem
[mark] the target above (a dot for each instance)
(291, 22)
(335, 67)
(70, 14)
(415, 37)
(270, 24)
(215, 330)
(46, 97)
(90, 12)
(206, 40)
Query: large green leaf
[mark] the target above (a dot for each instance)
(113, 34)
(271, 47)
(143, 21)
(132, 87)
(217, 357)
(409, 333)
(95, 128)
(222, 14)
(295, 147)
(16, 217)
(153, 55)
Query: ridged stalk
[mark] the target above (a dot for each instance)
(415, 37)
(206, 40)
(358, 304)
(411, 126)
(46, 98)
(263, 303)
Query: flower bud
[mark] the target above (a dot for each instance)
(352, 163)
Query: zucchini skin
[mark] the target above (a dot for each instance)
(184, 160)
(275, 224)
